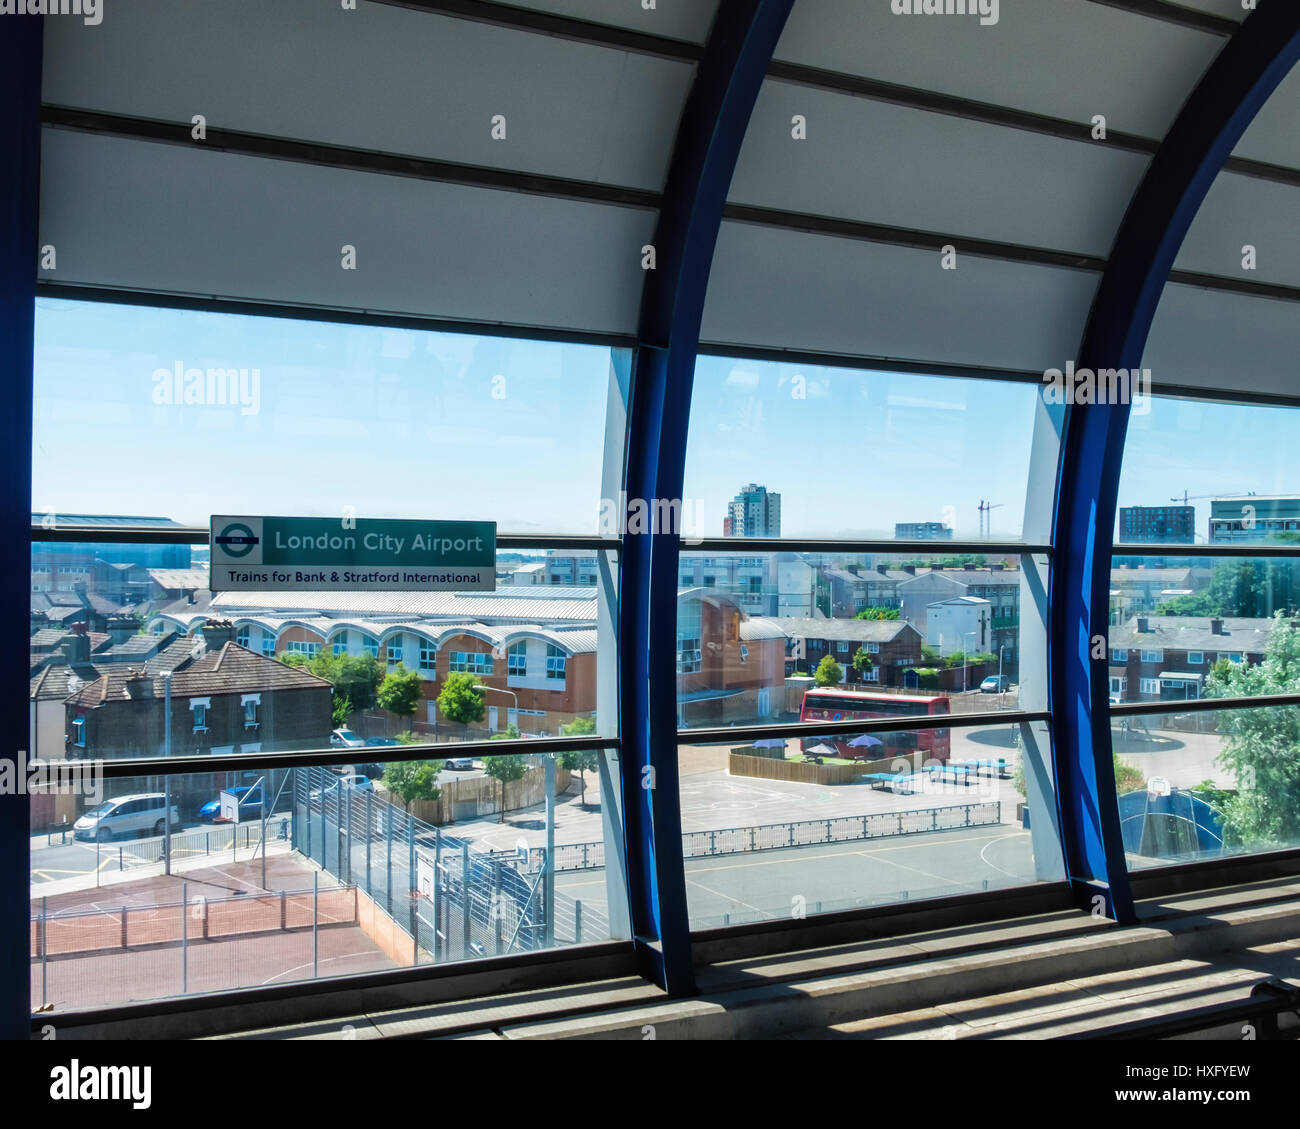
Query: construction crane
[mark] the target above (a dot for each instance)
(986, 517)
(1205, 497)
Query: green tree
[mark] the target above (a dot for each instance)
(862, 664)
(413, 780)
(510, 733)
(929, 654)
(829, 672)
(1261, 747)
(505, 769)
(340, 710)
(877, 613)
(399, 693)
(355, 678)
(459, 701)
(581, 761)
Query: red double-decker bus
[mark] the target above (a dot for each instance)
(855, 705)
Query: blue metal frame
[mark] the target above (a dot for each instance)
(1238, 83)
(712, 129)
(20, 144)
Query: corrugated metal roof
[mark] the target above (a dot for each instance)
(521, 605)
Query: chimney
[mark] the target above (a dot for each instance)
(910, 570)
(1216, 627)
(139, 685)
(969, 567)
(217, 633)
(80, 589)
(936, 568)
(883, 569)
(1144, 625)
(853, 568)
(76, 647)
(999, 567)
(121, 628)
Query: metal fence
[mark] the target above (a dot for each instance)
(805, 833)
(456, 901)
(94, 956)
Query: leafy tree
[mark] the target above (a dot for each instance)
(581, 761)
(459, 701)
(1127, 778)
(510, 733)
(862, 664)
(929, 654)
(877, 613)
(354, 677)
(829, 672)
(1261, 747)
(413, 780)
(399, 692)
(579, 727)
(505, 769)
(340, 710)
(956, 659)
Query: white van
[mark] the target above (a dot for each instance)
(126, 817)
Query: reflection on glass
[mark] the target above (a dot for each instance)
(789, 827)
(274, 876)
(1208, 783)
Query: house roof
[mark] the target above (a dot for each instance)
(861, 630)
(1192, 633)
(231, 669)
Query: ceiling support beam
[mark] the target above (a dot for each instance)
(709, 137)
(1248, 69)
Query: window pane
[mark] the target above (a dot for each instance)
(1208, 783)
(105, 663)
(306, 397)
(782, 450)
(243, 904)
(753, 641)
(788, 826)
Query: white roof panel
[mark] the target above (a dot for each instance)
(378, 78)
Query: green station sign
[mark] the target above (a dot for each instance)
(351, 554)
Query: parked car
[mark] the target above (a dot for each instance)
(352, 782)
(250, 805)
(127, 817)
(345, 739)
(995, 684)
(459, 762)
(370, 741)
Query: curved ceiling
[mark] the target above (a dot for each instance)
(374, 128)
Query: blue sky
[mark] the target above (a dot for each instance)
(405, 423)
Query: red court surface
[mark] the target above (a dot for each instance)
(166, 952)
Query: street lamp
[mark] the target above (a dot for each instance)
(500, 690)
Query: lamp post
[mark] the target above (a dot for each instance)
(500, 690)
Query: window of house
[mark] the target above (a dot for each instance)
(428, 656)
(200, 711)
(1150, 686)
(394, 652)
(79, 732)
(1153, 656)
(1196, 658)
(1119, 655)
(242, 636)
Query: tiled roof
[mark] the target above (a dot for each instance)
(230, 670)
